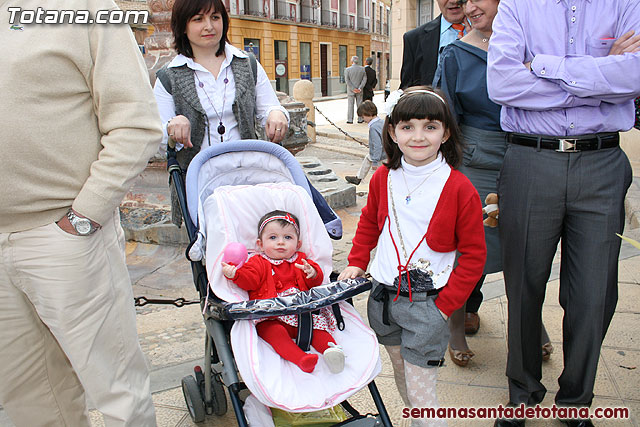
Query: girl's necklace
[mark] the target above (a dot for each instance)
(408, 196)
(221, 129)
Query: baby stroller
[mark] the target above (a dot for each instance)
(228, 188)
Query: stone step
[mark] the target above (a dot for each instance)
(145, 213)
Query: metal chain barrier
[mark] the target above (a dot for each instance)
(178, 302)
(365, 144)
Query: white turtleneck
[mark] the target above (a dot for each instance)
(414, 218)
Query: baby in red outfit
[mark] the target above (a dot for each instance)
(279, 270)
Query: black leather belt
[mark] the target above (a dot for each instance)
(570, 144)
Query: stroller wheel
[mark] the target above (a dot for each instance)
(193, 398)
(218, 398)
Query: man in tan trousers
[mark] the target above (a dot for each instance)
(78, 121)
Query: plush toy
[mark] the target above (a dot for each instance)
(491, 209)
(235, 253)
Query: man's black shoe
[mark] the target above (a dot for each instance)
(360, 121)
(512, 422)
(577, 423)
(352, 180)
(349, 123)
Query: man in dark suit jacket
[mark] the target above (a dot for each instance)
(372, 81)
(422, 45)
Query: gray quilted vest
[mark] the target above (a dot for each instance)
(179, 82)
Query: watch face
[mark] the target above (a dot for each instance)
(83, 226)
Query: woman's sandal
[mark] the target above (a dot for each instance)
(461, 358)
(547, 349)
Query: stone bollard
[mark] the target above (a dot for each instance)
(303, 92)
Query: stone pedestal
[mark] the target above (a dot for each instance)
(303, 91)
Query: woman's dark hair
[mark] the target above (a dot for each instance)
(184, 10)
(422, 105)
(281, 222)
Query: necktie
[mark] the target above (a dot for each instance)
(459, 28)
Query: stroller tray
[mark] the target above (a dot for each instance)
(311, 300)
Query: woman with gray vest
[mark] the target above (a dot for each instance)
(211, 91)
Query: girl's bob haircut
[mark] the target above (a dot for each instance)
(422, 105)
(184, 10)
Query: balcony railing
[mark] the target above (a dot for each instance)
(254, 8)
(363, 24)
(283, 11)
(345, 21)
(328, 19)
(306, 13)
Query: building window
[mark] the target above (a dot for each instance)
(281, 66)
(342, 61)
(253, 46)
(305, 61)
(360, 54)
(373, 17)
(425, 13)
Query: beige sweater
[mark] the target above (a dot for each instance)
(78, 120)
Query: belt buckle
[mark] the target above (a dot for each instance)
(567, 145)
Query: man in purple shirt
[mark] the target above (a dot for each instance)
(566, 74)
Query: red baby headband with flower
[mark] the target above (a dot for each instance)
(288, 218)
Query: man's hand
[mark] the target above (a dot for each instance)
(356, 90)
(306, 269)
(627, 43)
(65, 224)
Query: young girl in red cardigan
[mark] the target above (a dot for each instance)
(425, 218)
(279, 269)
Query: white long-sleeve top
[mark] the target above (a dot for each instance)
(414, 218)
(220, 94)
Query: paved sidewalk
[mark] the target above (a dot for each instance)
(172, 338)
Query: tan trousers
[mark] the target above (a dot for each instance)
(67, 324)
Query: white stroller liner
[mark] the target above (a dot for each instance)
(231, 214)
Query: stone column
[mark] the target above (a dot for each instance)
(159, 45)
(303, 92)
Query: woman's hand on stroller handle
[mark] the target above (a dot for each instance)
(307, 269)
(351, 272)
(179, 129)
(229, 270)
(276, 126)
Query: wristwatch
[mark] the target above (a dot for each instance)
(83, 226)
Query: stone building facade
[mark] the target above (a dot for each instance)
(293, 40)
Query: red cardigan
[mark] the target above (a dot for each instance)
(263, 280)
(456, 225)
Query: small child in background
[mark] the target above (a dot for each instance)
(420, 213)
(369, 113)
(279, 269)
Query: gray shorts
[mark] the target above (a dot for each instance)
(417, 326)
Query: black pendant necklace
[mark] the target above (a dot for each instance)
(221, 129)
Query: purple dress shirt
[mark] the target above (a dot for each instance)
(573, 87)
